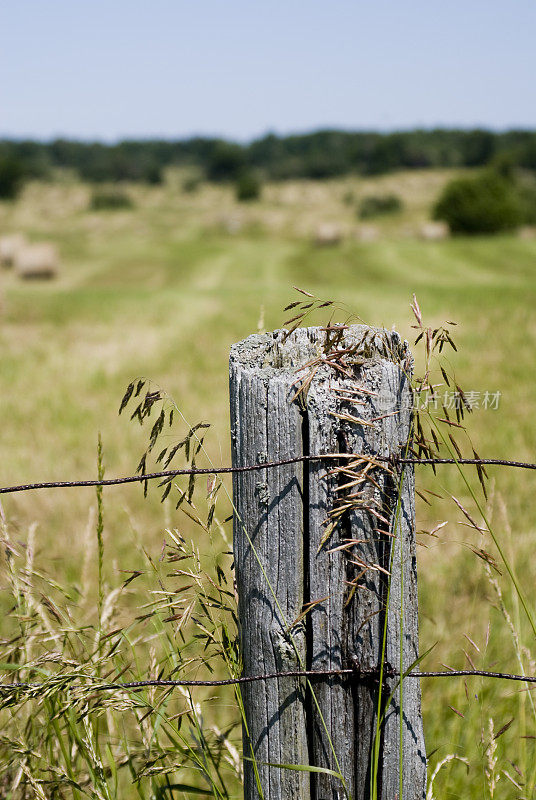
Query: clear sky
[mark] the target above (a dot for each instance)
(239, 68)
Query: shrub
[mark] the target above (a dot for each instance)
(225, 162)
(376, 205)
(191, 184)
(248, 187)
(110, 199)
(152, 174)
(527, 196)
(11, 175)
(486, 203)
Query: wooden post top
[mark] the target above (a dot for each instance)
(269, 353)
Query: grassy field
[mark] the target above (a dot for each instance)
(164, 289)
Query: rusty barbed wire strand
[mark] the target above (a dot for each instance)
(26, 487)
(149, 476)
(358, 674)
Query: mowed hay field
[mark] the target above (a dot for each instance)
(164, 289)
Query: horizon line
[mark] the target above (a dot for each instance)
(115, 140)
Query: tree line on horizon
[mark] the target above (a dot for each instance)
(319, 155)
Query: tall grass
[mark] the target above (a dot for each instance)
(63, 735)
(47, 619)
(494, 768)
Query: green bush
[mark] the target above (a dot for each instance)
(191, 184)
(527, 196)
(486, 203)
(110, 200)
(376, 205)
(11, 175)
(248, 187)
(225, 162)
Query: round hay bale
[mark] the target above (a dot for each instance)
(327, 235)
(37, 262)
(10, 245)
(367, 233)
(434, 231)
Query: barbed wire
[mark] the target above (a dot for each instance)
(26, 487)
(497, 462)
(356, 672)
(151, 476)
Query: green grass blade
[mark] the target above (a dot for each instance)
(303, 768)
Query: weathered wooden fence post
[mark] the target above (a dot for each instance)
(357, 401)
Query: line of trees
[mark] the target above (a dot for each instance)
(322, 154)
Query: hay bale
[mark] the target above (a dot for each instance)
(434, 231)
(527, 233)
(232, 224)
(367, 233)
(327, 235)
(9, 247)
(37, 261)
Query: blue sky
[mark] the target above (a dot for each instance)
(239, 68)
